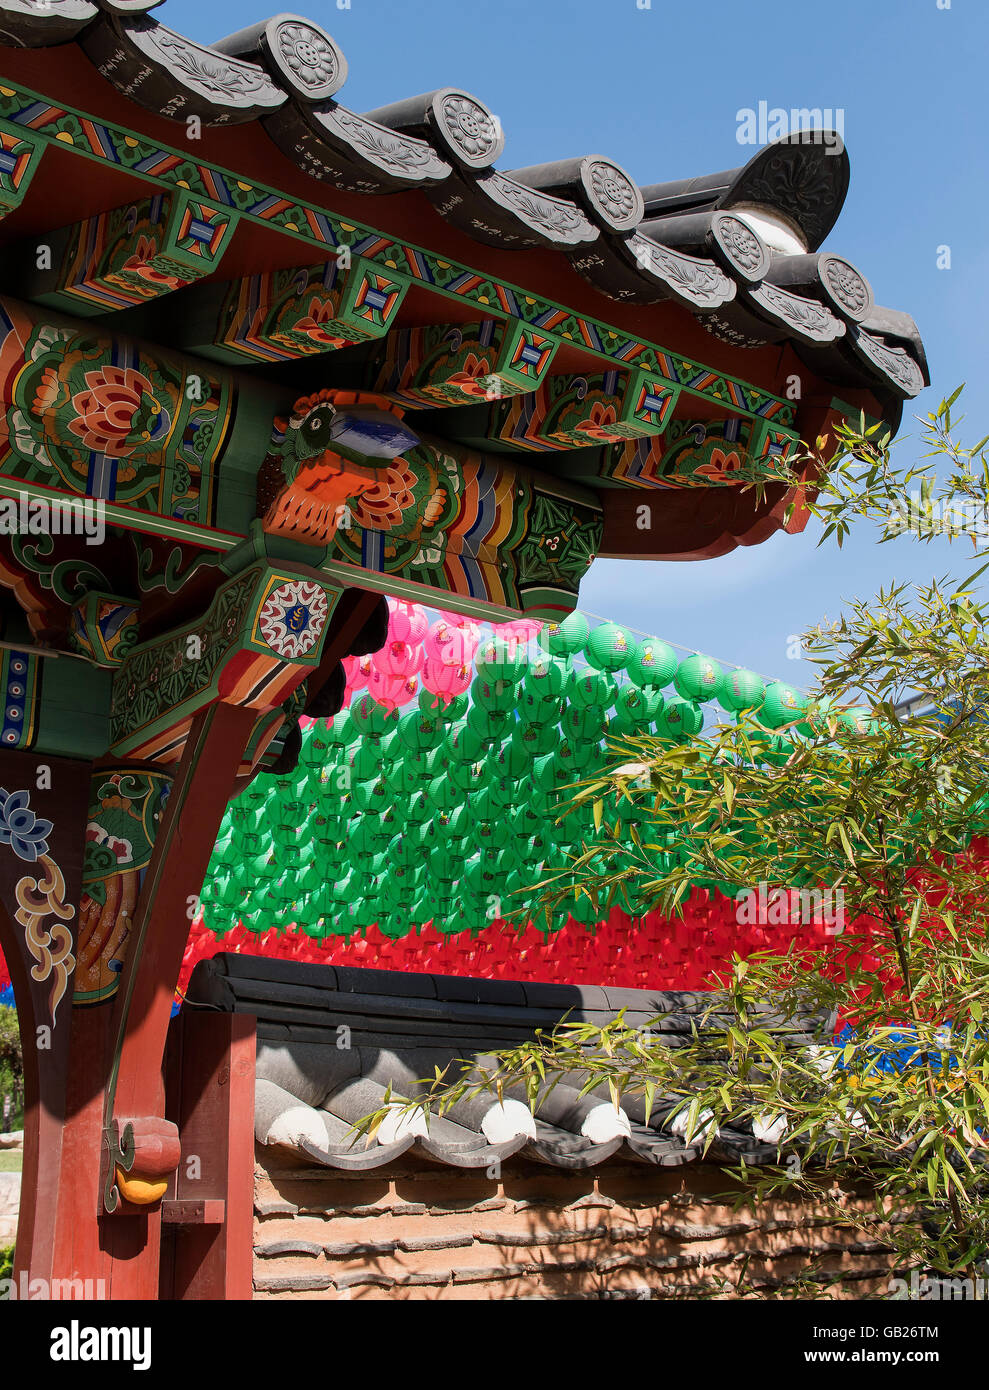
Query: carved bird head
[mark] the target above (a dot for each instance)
(355, 421)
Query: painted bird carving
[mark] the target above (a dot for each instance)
(340, 460)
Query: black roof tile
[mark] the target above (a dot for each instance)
(405, 1025)
(719, 244)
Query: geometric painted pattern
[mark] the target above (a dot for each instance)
(454, 365)
(577, 411)
(19, 157)
(19, 677)
(137, 252)
(287, 314)
(23, 110)
(292, 618)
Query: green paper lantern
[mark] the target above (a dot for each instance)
(493, 694)
(582, 910)
(443, 794)
(286, 836)
(635, 709)
(547, 774)
(466, 777)
(740, 690)
(500, 660)
(697, 678)
(390, 822)
(479, 878)
(433, 705)
(568, 637)
(589, 758)
(456, 825)
(486, 808)
(367, 763)
(583, 723)
(463, 744)
(525, 823)
(511, 760)
(545, 677)
(781, 705)
(403, 780)
(313, 754)
(609, 647)
(494, 834)
(404, 852)
(372, 796)
(417, 812)
(653, 664)
(589, 687)
(335, 729)
(816, 716)
(505, 791)
(368, 717)
(489, 725)
(362, 839)
(680, 719)
(420, 732)
(533, 709)
(566, 761)
(534, 739)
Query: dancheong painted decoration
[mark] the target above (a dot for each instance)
(254, 381)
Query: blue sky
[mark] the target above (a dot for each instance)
(658, 89)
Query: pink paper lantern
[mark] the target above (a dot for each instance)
(445, 681)
(398, 658)
(391, 692)
(407, 622)
(450, 645)
(454, 619)
(521, 630)
(356, 669)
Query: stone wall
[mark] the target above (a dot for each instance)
(617, 1231)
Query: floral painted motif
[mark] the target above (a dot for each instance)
(39, 895)
(26, 833)
(720, 466)
(313, 325)
(474, 377)
(601, 424)
(141, 265)
(125, 813)
(105, 418)
(117, 411)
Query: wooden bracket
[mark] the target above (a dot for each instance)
(203, 1211)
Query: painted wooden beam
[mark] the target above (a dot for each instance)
(125, 257)
(568, 412)
(458, 364)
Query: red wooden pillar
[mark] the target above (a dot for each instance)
(119, 1153)
(115, 1070)
(208, 1214)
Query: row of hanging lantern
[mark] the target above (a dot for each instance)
(436, 794)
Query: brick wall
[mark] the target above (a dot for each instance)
(423, 1231)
